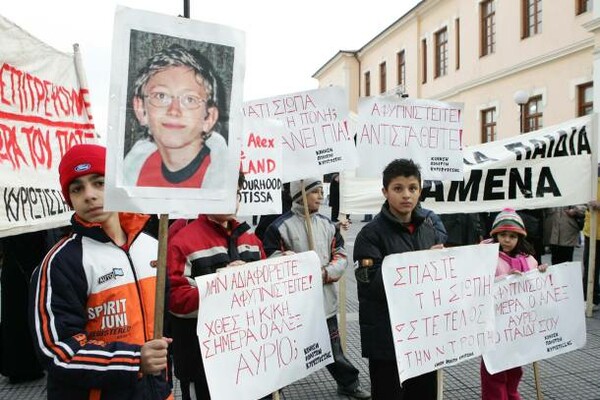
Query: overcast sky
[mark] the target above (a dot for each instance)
(286, 42)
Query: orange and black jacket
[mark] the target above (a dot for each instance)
(92, 308)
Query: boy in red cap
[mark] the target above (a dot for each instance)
(93, 296)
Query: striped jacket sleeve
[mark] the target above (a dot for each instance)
(58, 316)
(339, 258)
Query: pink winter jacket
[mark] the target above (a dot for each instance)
(508, 264)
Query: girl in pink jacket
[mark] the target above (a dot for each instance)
(515, 257)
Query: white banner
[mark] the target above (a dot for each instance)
(262, 326)
(44, 111)
(261, 164)
(534, 170)
(174, 143)
(427, 131)
(317, 140)
(440, 303)
(538, 316)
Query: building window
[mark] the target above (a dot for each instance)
(424, 64)
(488, 125)
(585, 96)
(488, 27)
(401, 61)
(457, 34)
(583, 6)
(441, 52)
(534, 113)
(382, 78)
(367, 83)
(532, 17)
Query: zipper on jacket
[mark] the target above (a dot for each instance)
(139, 293)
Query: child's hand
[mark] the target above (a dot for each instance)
(344, 225)
(542, 267)
(288, 253)
(516, 272)
(236, 263)
(437, 246)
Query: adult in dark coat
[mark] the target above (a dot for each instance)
(462, 229)
(22, 254)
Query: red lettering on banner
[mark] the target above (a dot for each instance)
(27, 93)
(262, 166)
(276, 354)
(432, 271)
(68, 139)
(9, 147)
(261, 143)
(40, 149)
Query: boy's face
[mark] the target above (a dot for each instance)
(402, 195)
(87, 197)
(174, 126)
(314, 199)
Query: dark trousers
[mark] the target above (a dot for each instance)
(586, 256)
(342, 370)
(187, 358)
(561, 254)
(385, 383)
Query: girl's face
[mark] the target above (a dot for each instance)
(508, 241)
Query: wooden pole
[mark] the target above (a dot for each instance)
(342, 305)
(593, 222)
(307, 223)
(161, 276)
(440, 384)
(538, 381)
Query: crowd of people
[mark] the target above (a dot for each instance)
(101, 272)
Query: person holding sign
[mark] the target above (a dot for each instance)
(176, 100)
(288, 234)
(515, 257)
(399, 227)
(200, 247)
(93, 295)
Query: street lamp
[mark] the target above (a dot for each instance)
(521, 98)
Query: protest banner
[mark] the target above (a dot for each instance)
(44, 111)
(426, 131)
(317, 140)
(533, 170)
(538, 315)
(440, 303)
(262, 326)
(173, 144)
(261, 164)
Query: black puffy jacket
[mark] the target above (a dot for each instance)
(383, 236)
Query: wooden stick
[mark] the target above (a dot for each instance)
(307, 223)
(591, 264)
(538, 380)
(440, 384)
(161, 276)
(593, 220)
(342, 305)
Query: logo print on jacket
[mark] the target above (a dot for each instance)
(111, 275)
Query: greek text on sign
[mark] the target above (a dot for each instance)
(441, 308)
(264, 322)
(538, 315)
(429, 132)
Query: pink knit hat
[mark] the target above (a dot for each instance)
(79, 160)
(508, 220)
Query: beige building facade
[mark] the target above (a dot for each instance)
(481, 53)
